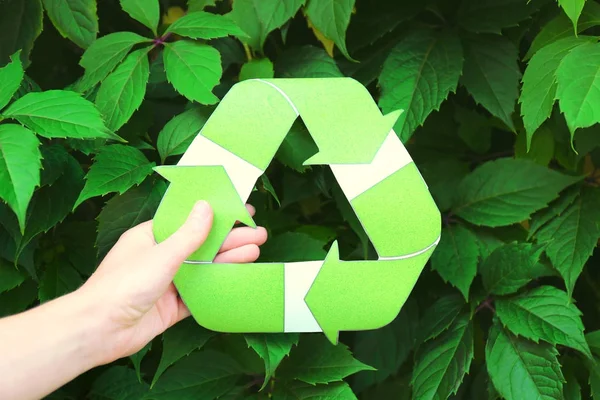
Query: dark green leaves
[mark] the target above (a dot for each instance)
(492, 16)
(11, 76)
(59, 279)
(10, 276)
(194, 69)
(272, 348)
(507, 191)
(418, 75)
(19, 168)
(146, 12)
(116, 168)
(521, 369)
(21, 22)
(74, 19)
(306, 62)
(441, 363)
(203, 25)
(58, 114)
(544, 313)
(118, 383)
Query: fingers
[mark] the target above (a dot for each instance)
(239, 237)
(244, 254)
(177, 248)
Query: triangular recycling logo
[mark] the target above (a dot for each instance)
(372, 167)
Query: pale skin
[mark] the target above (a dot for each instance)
(127, 302)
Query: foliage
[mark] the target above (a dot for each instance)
(502, 106)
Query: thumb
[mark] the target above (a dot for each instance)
(174, 250)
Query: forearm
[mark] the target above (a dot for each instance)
(47, 346)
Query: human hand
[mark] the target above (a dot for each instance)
(132, 290)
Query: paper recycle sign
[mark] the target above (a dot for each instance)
(373, 169)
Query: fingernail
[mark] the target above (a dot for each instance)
(201, 210)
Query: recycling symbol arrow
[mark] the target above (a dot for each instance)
(372, 167)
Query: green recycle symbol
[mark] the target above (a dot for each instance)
(371, 165)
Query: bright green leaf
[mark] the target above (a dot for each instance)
(58, 279)
(304, 391)
(145, 11)
(116, 168)
(122, 92)
(258, 68)
(118, 383)
(74, 19)
(578, 77)
(199, 5)
(203, 25)
(202, 375)
(180, 131)
(441, 363)
(20, 163)
(572, 235)
(573, 9)
(492, 16)
(10, 276)
(59, 114)
(491, 74)
(258, 18)
(521, 369)
(512, 266)
(331, 18)
(542, 146)
(456, 257)
(306, 62)
(316, 360)
(507, 191)
(539, 82)
(418, 75)
(194, 69)
(11, 76)
(544, 313)
(125, 211)
(440, 316)
(21, 22)
(178, 342)
(272, 348)
(104, 55)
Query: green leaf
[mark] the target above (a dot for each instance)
(257, 68)
(561, 27)
(272, 348)
(572, 235)
(474, 129)
(21, 22)
(123, 212)
(521, 369)
(144, 11)
(268, 187)
(178, 342)
(204, 25)
(594, 378)
(331, 18)
(512, 266)
(104, 55)
(194, 69)
(542, 146)
(18, 299)
(199, 5)
(386, 348)
(177, 134)
(293, 246)
(122, 92)
(10, 276)
(440, 316)
(74, 19)
(136, 360)
(11, 76)
(544, 313)
(58, 279)
(297, 147)
(577, 77)
(202, 375)
(539, 82)
(593, 340)
(420, 72)
(118, 383)
(306, 62)
(441, 363)
(492, 16)
(316, 360)
(258, 18)
(573, 9)
(59, 114)
(303, 391)
(456, 257)
(20, 163)
(116, 168)
(491, 74)
(507, 191)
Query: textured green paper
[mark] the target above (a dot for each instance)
(393, 204)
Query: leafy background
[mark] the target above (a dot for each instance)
(502, 101)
